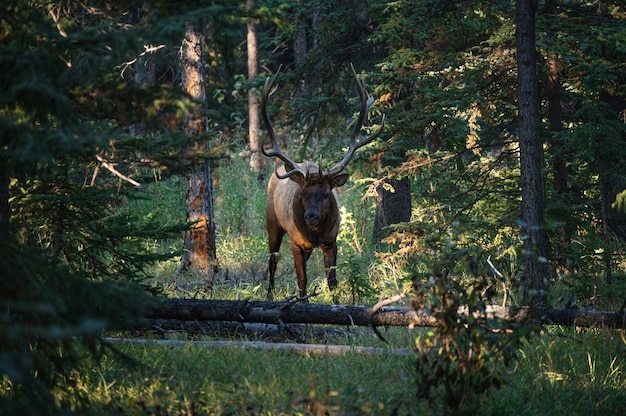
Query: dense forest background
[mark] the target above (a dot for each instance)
(92, 111)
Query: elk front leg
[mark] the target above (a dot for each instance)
(330, 261)
(300, 257)
(273, 262)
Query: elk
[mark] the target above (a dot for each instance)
(301, 200)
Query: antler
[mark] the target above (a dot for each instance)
(290, 166)
(366, 102)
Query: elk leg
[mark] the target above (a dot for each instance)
(275, 238)
(330, 261)
(300, 257)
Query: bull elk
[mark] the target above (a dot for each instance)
(301, 200)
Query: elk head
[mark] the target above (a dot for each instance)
(301, 201)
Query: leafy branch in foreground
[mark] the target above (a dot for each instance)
(51, 317)
(463, 357)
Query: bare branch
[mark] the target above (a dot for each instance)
(388, 301)
(316, 349)
(111, 169)
(147, 49)
(55, 19)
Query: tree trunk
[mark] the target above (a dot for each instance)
(254, 123)
(393, 206)
(300, 49)
(299, 43)
(531, 156)
(610, 166)
(560, 158)
(309, 349)
(145, 75)
(288, 313)
(200, 251)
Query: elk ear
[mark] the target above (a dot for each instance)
(339, 180)
(297, 177)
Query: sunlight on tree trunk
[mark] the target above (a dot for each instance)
(200, 252)
(254, 124)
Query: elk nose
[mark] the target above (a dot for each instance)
(312, 218)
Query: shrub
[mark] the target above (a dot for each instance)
(464, 356)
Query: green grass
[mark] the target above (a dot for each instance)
(565, 372)
(559, 372)
(199, 380)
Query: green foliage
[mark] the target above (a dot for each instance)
(84, 228)
(51, 318)
(447, 87)
(463, 357)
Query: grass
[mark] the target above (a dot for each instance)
(559, 372)
(565, 372)
(195, 380)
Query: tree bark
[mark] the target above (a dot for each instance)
(560, 157)
(531, 156)
(288, 313)
(284, 313)
(300, 48)
(200, 250)
(254, 123)
(393, 204)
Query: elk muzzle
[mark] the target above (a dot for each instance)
(312, 217)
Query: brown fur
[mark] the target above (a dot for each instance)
(289, 201)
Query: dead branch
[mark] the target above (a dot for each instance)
(111, 169)
(388, 301)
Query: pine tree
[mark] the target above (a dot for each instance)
(531, 155)
(71, 259)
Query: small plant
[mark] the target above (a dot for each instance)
(466, 354)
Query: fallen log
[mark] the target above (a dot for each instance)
(291, 313)
(584, 318)
(313, 349)
(247, 330)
